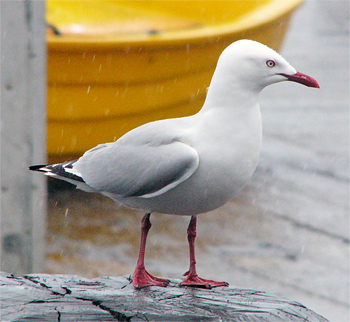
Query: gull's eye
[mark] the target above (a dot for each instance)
(270, 63)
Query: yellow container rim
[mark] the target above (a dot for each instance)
(263, 15)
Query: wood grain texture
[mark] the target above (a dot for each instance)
(45, 297)
(23, 135)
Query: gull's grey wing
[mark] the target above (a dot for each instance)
(137, 169)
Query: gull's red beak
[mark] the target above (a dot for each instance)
(302, 79)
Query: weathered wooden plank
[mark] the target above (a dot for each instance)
(45, 297)
(23, 135)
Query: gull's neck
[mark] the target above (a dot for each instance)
(227, 90)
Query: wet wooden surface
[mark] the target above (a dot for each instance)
(23, 135)
(287, 233)
(74, 298)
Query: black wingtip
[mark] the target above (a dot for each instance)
(58, 170)
(37, 167)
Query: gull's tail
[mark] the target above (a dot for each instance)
(63, 171)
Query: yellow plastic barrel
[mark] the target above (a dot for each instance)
(114, 65)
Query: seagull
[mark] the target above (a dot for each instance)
(189, 165)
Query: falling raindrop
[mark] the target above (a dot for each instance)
(126, 89)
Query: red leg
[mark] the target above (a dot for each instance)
(192, 279)
(141, 277)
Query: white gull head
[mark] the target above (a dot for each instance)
(245, 68)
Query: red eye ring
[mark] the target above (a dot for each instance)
(270, 63)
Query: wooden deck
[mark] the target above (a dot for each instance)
(73, 298)
(288, 231)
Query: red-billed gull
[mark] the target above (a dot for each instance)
(190, 165)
